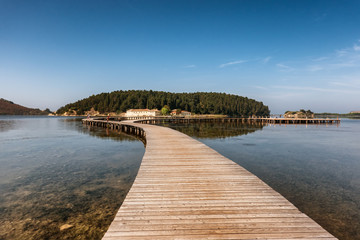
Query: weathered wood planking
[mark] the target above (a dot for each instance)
(186, 190)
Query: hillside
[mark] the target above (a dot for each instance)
(198, 103)
(10, 108)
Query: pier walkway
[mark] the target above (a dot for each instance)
(186, 190)
(255, 120)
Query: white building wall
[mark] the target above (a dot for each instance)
(142, 113)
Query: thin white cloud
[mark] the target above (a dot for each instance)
(346, 84)
(284, 68)
(190, 66)
(320, 59)
(315, 68)
(285, 96)
(232, 63)
(282, 65)
(342, 52)
(260, 87)
(266, 60)
(347, 64)
(339, 59)
(316, 89)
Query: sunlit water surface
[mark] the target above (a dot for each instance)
(316, 167)
(60, 179)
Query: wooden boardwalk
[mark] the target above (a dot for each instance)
(256, 120)
(186, 190)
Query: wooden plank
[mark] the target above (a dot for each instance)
(186, 190)
(289, 216)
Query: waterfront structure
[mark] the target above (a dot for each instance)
(185, 113)
(181, 113)
(255, 120)
(199, 194)
(142, 113)
(298, 114)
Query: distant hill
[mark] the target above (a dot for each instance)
(10, 108)
(198, 103)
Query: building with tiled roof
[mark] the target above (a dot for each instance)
(142, 113)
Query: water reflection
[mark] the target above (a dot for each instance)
(98, 132)
(6, 125)
(316, 167)
(56, 182)
(213, 130)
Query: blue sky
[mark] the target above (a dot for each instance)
(288, 54)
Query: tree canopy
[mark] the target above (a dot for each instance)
(198, 103)
(165, 110)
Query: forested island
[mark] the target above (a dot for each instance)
(197, 103)
(10, 108)
(355, 114)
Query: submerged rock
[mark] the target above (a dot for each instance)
(66, 226)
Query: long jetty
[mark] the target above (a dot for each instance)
(186, 190)
(256, 120)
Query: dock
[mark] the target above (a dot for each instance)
(255, 120)
(186, 190)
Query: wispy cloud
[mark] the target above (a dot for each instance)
(284, 68)
(341, 84)
(343, 58)
(232, 63)
(320, 59)
(345, 64)
(266, 60)
(190, 66)
(351, 85)
(316, 89)
(342, 52)
(315, 68)
(260, 87)
(285, 96)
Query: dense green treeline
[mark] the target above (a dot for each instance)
(199, 103)
(334, 115)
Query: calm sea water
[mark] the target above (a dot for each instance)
(60, 179)
(316, 167)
